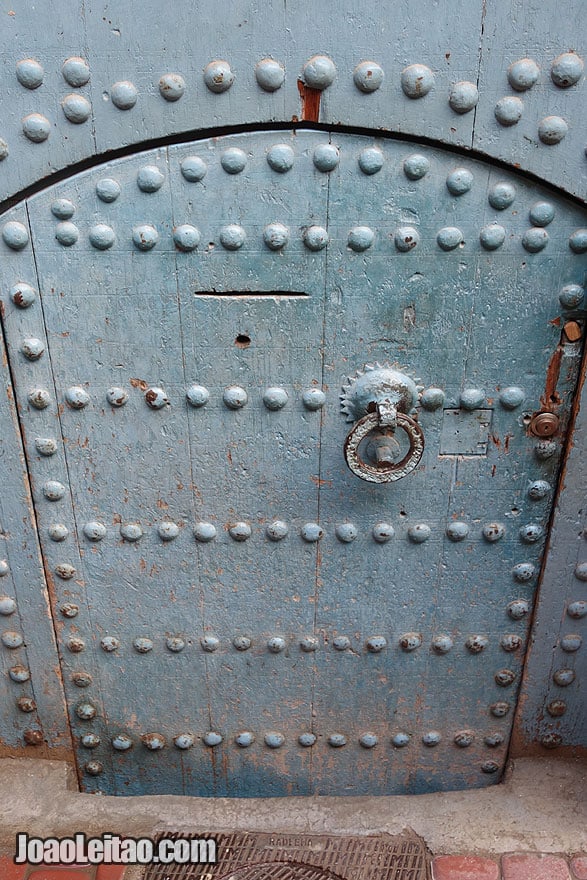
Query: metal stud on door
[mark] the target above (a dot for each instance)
(240, 613)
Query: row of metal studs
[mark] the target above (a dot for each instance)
(318, 72)
(281, 158)
(236, 397)
(346, 533)
(326, 157)
(275, 236)
(274, 740)
(408, 642)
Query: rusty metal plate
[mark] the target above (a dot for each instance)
(283, 856)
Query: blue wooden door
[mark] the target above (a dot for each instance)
(238, 612)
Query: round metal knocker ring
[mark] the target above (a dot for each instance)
(383, 473)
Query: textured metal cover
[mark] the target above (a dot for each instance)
(237, 613)
(246, 856)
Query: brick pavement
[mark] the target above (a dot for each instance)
(10, 871)
(512, 866)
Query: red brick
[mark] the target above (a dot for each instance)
(61, 872)
(10, 871)
(579, 866)
(534, 867)
(464, 868)
(110, 872)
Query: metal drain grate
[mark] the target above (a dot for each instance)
(247, 856)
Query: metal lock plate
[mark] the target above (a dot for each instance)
(465, 433)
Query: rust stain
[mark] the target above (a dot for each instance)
(556, 322)
(506, 442)
(310, 102)
(551, 398)
(318, 482)
(521, 742)
(139, 383)
(119, 401)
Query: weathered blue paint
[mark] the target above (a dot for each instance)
(504, 79)
(235, 583)
(553, 710)
(34, 715)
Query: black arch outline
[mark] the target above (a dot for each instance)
(201, 134)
